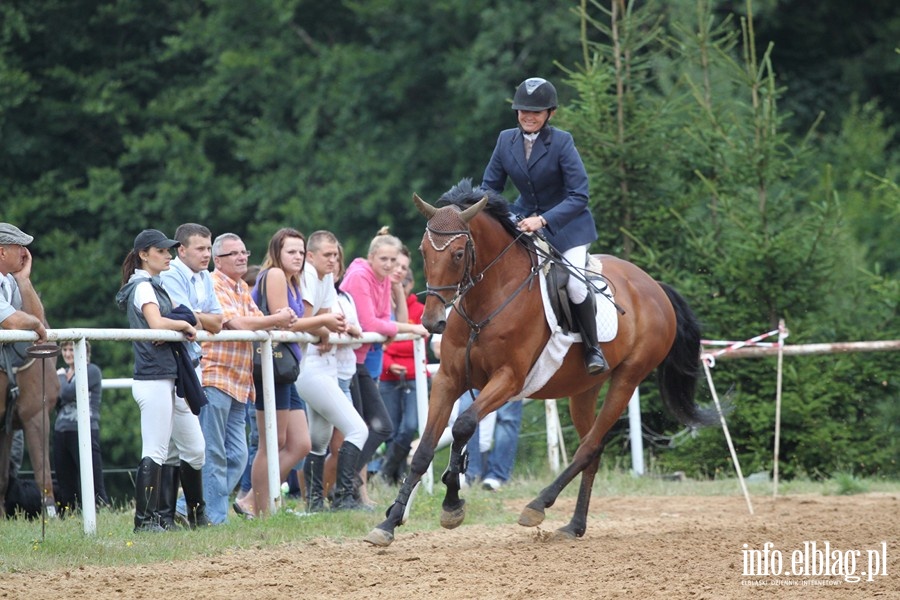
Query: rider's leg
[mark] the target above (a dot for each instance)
(583, 304)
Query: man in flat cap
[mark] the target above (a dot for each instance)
(20, 306)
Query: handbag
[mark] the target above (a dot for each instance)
(285, 366)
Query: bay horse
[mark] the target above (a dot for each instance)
(481, 267)
(32, 414)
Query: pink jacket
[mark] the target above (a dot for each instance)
(373, 301)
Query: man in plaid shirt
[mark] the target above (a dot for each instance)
(228, 375)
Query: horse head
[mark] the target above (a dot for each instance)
(448, 256)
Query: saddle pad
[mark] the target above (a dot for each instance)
(607, 316)
(559, 343)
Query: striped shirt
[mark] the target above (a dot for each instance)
(228, 366)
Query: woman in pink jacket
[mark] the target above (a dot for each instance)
(368, 281)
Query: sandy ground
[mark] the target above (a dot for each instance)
(637, 547)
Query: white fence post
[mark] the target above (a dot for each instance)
(635, 434)
(421, 361)
(83, 413)
(551, 415)
(271, 425)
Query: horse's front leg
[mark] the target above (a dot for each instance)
(453, 508)
(438, 416)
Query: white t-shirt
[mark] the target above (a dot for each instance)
(319, 293)
(346, 358)
(143, 292)
(10, 297)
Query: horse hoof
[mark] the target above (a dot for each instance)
(451, 519)
(379, 537)
(562, 535)
(531, 517)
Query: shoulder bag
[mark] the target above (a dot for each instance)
(286, 368)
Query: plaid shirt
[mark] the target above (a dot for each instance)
(228, 366)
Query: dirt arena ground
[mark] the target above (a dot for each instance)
(676, 548)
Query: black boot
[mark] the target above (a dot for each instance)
(587, 322)
(392, 467)
(168, 496)
(146, 497)
(314, 472)
(192, 484)
(345, 494)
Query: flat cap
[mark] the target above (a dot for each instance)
(153, 238)
(10, 234)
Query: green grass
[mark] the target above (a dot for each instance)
(65, 545)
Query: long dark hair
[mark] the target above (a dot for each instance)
(131, 263)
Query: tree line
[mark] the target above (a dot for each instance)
(731, 154)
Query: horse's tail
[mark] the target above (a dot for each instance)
(677, 374)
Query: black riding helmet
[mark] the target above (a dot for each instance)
(535, 94)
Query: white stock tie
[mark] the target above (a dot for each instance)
(528, 145)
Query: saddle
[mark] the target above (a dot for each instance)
(557, 273)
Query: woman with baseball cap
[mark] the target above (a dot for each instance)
(145, 301)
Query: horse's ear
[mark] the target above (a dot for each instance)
(424, 208)
(473, 210)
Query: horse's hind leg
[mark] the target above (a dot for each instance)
(591, 430)
(578, 524)
(533, 514)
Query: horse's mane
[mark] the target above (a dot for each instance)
(464, 195)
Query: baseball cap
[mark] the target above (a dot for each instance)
(153, 238)
(10, 234)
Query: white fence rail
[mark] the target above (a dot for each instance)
(267, 337)
(79, 336)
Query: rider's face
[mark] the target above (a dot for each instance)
(532, 121)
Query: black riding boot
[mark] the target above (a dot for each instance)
(587, 322)
(146, 497)
(345, 496)
(392, 467)
(192, 484)
(168, 496)
(313, 473)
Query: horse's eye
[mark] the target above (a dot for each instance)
(457, 256)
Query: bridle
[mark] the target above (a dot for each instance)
(470, 279)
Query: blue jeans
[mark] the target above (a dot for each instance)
(375, 360)
(506, 442)
(400, 400)
(222, 423)
(252, 444)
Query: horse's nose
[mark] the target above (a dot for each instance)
(434, 326)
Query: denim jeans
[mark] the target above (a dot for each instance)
(223, 425)
(400, 400)
(252, 444)
(506, 442)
